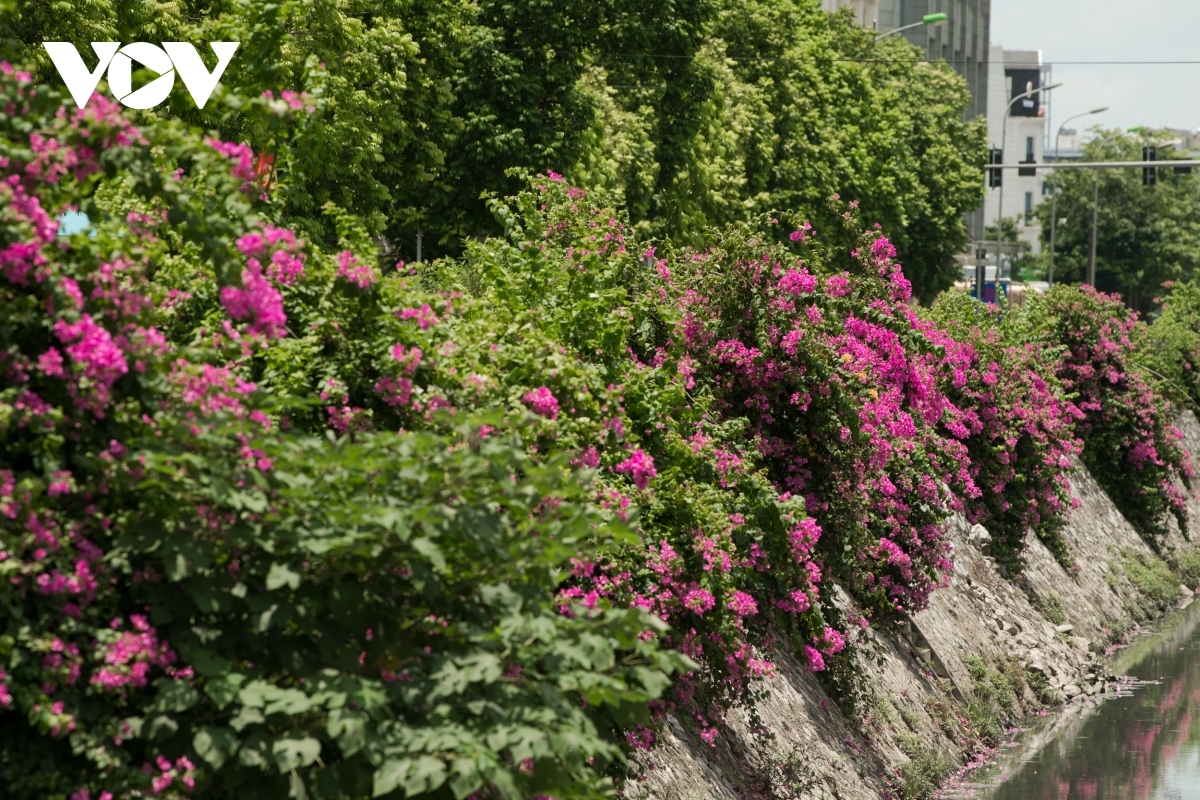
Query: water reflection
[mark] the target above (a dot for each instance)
(1141, 746)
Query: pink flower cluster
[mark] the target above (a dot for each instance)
(24, 255)
(779, 351)
(639, 467)
(241, 154)
(182, 770)
(542, 401)
(295, 102)
(353, 270)
(1018, 428)
(1129, 443)
(397, 390)
(259, 299)
(100, 360)
(210, 390)
(424, 316)
(129, 659)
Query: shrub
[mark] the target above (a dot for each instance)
(1188, 567)
(819, 350)
(1021, 439)
(275, 519)
(924, 771)
(993, 700)
(540, 325)
(1169, 348)
(202, 595)
(1129, 444)
(1157, 586)
(1051, 607)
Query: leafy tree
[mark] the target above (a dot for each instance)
(692, 112)
(1025, 265)
(1144, 235)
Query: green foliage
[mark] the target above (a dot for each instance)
(203, 584)
(1187, 564)
(1041, 688)
(993, 700)
(1145, 235)
(1157, 586)
(693, 113)
(1169, 348)
(926, 768)
(1011, 228)
(1051, 607)
(390, 622)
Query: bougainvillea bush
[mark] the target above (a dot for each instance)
(1130, 444)
(208, 593)
(1021, 441)
(821, 352)
(546, 326)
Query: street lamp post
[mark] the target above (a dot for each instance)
(928, 19)
(1003, 138)
(1054, 196)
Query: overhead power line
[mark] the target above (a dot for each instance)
(826, 60)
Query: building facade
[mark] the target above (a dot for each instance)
(1021, 132)
(962, 40)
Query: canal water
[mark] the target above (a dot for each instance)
(1143, 744)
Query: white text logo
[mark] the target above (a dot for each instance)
(172, 57)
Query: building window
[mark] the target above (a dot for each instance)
(1029, 208)
(1028, 148)
(1047, 188)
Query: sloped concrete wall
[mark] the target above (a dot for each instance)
(916, 680)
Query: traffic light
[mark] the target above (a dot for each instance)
(995, 156)
(1149, 174)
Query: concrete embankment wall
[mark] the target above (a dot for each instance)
(914, 685)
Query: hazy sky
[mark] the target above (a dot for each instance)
(1156, 95)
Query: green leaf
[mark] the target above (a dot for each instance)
(425, 546)
(215, 745)
(254, 752)
(349, 729)
(416, 776)
(465, 778)
(292, 702)
(293, 753)
(160, 728)
(246, 716)
(280, 575)
(174, 695)
(207, 663)
(223, 689)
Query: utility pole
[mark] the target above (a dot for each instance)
(1054, 193)
(1091, 269)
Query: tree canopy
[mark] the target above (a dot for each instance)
(1144, 236)
(691, 112)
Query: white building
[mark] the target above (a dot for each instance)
(1022, 134)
